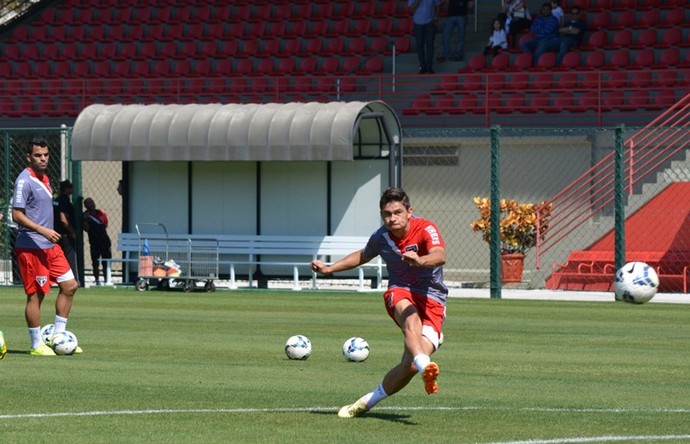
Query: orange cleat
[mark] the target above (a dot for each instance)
(430, 374)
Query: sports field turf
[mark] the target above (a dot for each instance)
(210, 367)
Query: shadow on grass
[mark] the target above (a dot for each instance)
(392, 417)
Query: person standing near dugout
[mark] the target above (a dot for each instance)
(95, 223)
(414, 252)
(63, 223)
(41, 261)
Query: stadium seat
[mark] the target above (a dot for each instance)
(337, 29)
(596, 40)
(364, 9)
(537, 102)
(243, 67)
(649, 4)
(316, 29)
(547, 61)
(332, 47)
(448, 83)
(563, 102)
(312, 47)
(280, 13)
(350, 65)
(667, 78)
(641, 79)
(567, 81)
(664, 98)
(646, 38)
(372, 66)
(623, 20)
(402, 45)
(276, 29)
(355, 45)
(623, 5)
(472, 82)
(286, 66)
(385, 9)
(648, 19)
(323, 11)
(639, 99)
(307, 66)
(545, 79)
(644, 59)
(469, 103)
(500, 63)
(328, 66)
(620, 59)
(228, 48)
(615, 79)
(621, 39)
(514, 102)
(444, 104)
(477, 62)
(669, 57)
(571, 61)
(255, 30)
(671, 37)
(586, 101)
(594, 60)
(382, 27)
(600, 21)
(673, 17)
(402, 26)
(420, 104)
(265, 67)
(270, 48)
(291, 47)
(522, 62)
(377, 45)
(612, 100)
(250, 48)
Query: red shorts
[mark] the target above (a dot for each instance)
(41, 268)
(430, 312)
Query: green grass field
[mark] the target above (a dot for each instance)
(210, 367)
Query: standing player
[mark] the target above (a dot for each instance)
(95, 223)
(414, 253)
(41, 261)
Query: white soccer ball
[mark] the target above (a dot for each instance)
(298, 347)
(356, 349)
(47, 333)
(636, 283)
(64, 343)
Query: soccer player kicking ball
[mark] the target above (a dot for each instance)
(41, 260)
(414, 253)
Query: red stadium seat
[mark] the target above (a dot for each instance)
(667, 78)
(647, 38)
(537, 102)
(673, 17)
(620, 59)
(297, 30)
(601, 21)
(567, 81)
(671, 37)
(587, 101)
(500, 63)
(382, 27)
(444, 104)
(624, 5)
(469, 103)
(623, 20)
(615, 79)
(596, 40)
(641, 79)
(571, 61)
(664, 98)
(612, 100)
(377, 45)
(564, 101)
(648, 19)
(669, 57)
(547, 61)
(355, 45)
(307, 66)
(265, 67)
(286, 66)
(621, 39)
(350, 64)
(270, 48)
(250, 48)
(644, 59)
(312, 47)
(476, 62)
(639, 99)
(522, 62)
(291, 47)
(372, 66)
(420, 104)
(332, 46)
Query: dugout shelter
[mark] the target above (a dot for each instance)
(284, 169)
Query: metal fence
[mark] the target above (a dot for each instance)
(444, 170)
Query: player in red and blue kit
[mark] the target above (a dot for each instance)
(41, 260)
(415, 253)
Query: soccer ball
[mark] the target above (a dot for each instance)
(47, 333)
(356, 349)
(298, 347)
(64, 343)
(636, 283)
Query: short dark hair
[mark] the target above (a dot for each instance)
(36, 141)
(394, 195)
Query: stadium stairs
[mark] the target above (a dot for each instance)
(665, 244)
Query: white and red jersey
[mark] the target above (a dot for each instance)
(422, 236)
(34, 195)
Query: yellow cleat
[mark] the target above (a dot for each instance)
(3, 346)
(430, 374)
(42, 350)
(78, 350)
(353, 410)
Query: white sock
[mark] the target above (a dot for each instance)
(35, 337)
(421, 361)
(373, 398)
(60, 324)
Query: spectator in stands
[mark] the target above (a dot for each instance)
(64, 216)
(456, 18)
(557, 11)
(498, 41)
(545, 28)
(570, 34)
(95, 223)
(517, 18)
(424, 18)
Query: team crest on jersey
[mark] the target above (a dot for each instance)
(412, 248)
(41, 280)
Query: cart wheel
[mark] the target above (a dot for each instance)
(210, 286)
(142, 285)
(188, 285)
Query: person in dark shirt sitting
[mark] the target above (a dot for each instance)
(545, 28)
(570, 34)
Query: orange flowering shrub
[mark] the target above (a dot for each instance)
(518, 223)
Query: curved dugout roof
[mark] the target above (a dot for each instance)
(216, 132)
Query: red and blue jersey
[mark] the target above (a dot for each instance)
(422, 236)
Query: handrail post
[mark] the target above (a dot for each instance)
(619, 199)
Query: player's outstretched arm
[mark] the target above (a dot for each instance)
(352, 260)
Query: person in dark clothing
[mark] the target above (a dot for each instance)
(64, 217)
(96, 225)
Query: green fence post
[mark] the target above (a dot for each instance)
(620, 198)
(495, 246)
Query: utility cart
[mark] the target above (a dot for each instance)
(175, 261)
